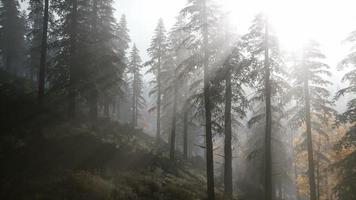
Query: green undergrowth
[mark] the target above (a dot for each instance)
(45, 156)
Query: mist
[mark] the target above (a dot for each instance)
(177, 100)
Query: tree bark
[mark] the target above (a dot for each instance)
(208, 131)
(228, 137)
(93, 104)
(106, 108)
(73, 51)
(173, 131)
(318, 176)
(158, 130)
(42, 71)
(312, 186)
(185, 134)
(93, 101)
(134, 99)
(268, 139)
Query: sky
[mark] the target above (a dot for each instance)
(294, 21)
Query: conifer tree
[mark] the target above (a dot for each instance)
(43, 62)
(312, 105)
(345, 188)
(157, 52)
(35, 19)
(87, 46)
(201, 15)
(135, 68)
(269, 80)
(123, 46)
(12, 33)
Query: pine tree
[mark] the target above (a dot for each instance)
(88, 46)
(12, 33)
(43, 62)
(310, 91)
(201, 15)
(123, 45)
(107, 59)
(35, 18)
(135, 68)
(179, 83)
(157, 52)
(269, 80)
(345, 188)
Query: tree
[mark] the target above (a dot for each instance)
(309, 90)
(73, 72)
(87, 66)
(108, 62)
(35, 19)
(123, 46)
(157, 52)
(12, 33)
(42, 71)
(269, 80)
(136, 84)
(201, 15)
(345, 188)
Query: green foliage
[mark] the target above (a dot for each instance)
(345, 189)
(135, 68)
(12, 32)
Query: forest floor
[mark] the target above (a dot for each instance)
(44, 155)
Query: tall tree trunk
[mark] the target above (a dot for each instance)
(8, 62)
(134, 99)
(93, 103)
(73, 53)
(208, 131)
(173, 131)
(310, 142)
(158, 130)
(318, 176)
(118, 108)
(106, 108)
(94, 91)
(296, 184)
(295, 173)
(136, 114)
(228, 137)
(42, 71)
(185, 134)
(268, 136)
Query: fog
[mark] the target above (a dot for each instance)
(179, 99)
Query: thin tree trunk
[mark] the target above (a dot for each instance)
(185, 134)
(158, 130)
(268, 139)
(106, 108)
(94, 91)
(228, 137)
(8, 62)
(208, 132)
(295, 173)
(118, 108)
(173, 131)
(93, 104)
(73, 51)
(134, 100)
(310, 142)
(296, 184)
(318, 176)
(136, 113)
(42, 71)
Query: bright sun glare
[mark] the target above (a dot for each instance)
(296, 21)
